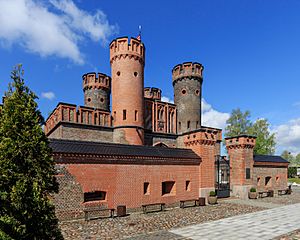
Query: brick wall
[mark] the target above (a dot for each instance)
(278, 178)
(72, 131)
(124, 185)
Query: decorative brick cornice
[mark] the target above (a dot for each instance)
(203, 136)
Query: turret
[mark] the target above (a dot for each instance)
(152, 93)
(127, 59)
(187, 83)
(96, 90)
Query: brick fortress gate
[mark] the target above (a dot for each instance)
(143, 150)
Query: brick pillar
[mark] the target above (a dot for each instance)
(240, 151)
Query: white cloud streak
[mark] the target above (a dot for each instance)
(166, 99)
(48, 95)
(288, 136)
(212, 117)
(55, 29)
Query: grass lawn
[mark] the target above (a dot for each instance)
(296, 180)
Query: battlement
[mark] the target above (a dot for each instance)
(204, 135)
(125, 47)
(92, 81)
(65, 112)
(188, 69)
(152, 93)
(244, 141)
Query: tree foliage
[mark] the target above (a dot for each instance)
(265, 141)
(26, 167)
(239, 123)
(293, 159)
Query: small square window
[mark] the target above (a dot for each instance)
(168, 187)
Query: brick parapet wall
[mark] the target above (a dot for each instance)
(81, 115)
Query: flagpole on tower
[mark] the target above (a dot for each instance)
(139, 37)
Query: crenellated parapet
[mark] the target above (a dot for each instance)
(240, 142)
(94, 81)
(127, 48)
(70, 113)
(203, 136)
(187, 70)
(152, 93)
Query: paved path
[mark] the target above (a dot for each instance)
(254, 203)
(261, 225)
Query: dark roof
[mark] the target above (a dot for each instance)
(108, 150)
(269, 158)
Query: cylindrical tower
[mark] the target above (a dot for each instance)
(96, 90)
(187, 83)
(127, 60)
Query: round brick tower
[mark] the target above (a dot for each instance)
(187, 83)
(127, 60)
(96, 90)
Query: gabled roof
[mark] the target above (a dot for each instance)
(120, 153)
(269, 158)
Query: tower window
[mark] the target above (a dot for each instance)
(197, 92)
(188, 124)
(135, 115)
(89, 99)
(102, 100)
(135, 74)
(118, 73)
(124, 114)
(197, 125)
(183, 91)
(115, 115)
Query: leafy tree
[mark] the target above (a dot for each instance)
(265, 141)
(287, 156)
(26, 167)
(238, 123)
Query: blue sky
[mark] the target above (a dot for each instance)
(250, 50)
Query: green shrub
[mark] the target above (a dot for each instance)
(212, 194)
(252, 189)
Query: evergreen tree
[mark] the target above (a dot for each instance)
(26, 168)
(265, 141)
(238, 123)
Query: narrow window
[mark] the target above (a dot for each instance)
(135, 115)
(124, 114)
(197, 125)
(188, 124)
(179, 126)
(115, 116)
(277, 179)
(146, 188)
(268, 181)
(168, 187)
(188, 185)
(258, 181)
(248, 173)
(94, 196)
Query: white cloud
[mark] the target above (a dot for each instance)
(166, 99)
(288, 136)
(212, 117)
(48, 95)
(53, 29)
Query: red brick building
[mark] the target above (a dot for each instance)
(142, 150)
